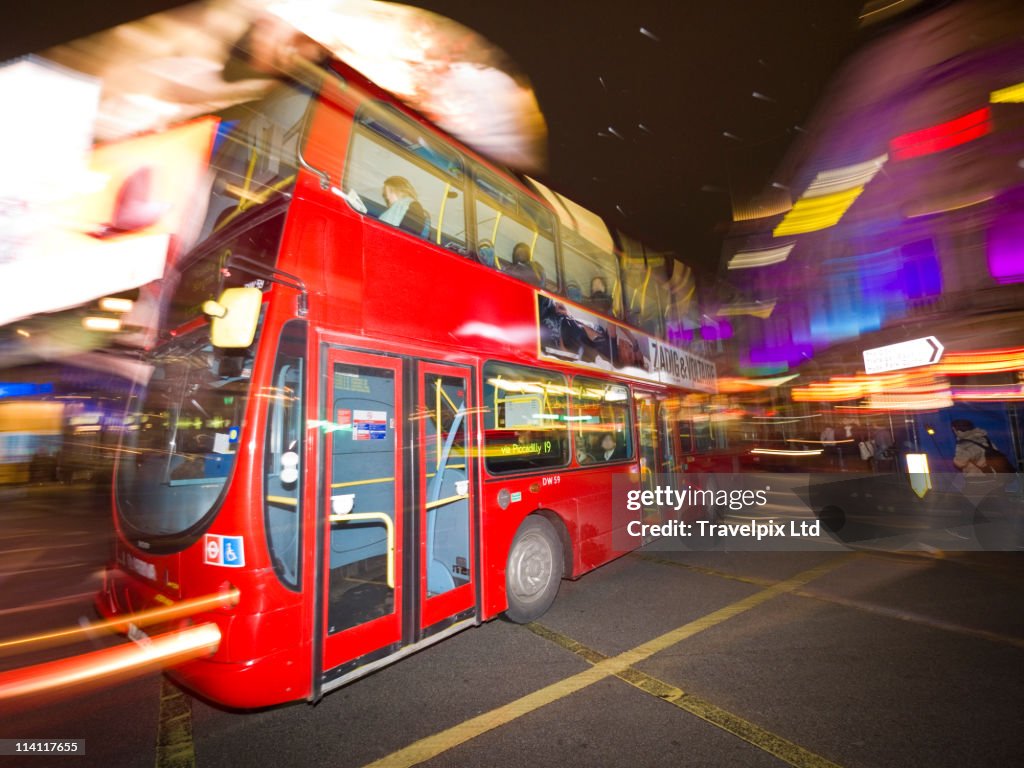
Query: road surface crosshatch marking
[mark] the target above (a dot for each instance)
(432, 746)
(753, 734)
(845, 602)
(174, 745)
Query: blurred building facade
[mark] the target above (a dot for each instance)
(897, 216)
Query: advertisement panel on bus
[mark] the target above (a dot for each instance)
(567, 333)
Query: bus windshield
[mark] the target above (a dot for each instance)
(178, 453)
(257, 158)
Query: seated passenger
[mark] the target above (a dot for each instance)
(599, 298)
(524, 268)
(404, 210)
(485, 254)
(583, 455)
(610, 449)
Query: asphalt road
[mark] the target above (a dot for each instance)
(659, 659)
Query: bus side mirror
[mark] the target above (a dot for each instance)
(233, 317)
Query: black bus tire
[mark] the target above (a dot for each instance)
(534, 570)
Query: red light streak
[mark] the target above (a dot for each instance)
(942, 136)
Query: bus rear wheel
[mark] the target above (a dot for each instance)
(534, 570)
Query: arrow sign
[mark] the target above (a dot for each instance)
(906, 354)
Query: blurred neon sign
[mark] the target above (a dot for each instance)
(24, 389)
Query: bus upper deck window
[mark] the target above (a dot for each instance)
(399, 174)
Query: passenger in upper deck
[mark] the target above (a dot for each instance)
(599, 298)
(404, 210)
(524, 268)
(485, 254)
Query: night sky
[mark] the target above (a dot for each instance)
(659, 113)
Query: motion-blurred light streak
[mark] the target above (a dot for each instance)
(146, 618)
(982, 361)
(943, 136)
(845, 178)
(760, 258)
(810, 214)
(994, 393)
(1013, 94)
(110, 664)
(761, 309)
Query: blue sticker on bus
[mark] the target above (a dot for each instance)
(225, 551)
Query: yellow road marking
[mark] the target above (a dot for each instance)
(753, 734)
(858, 605)
(431, 746)
(702, 569)
(174, 745)
(913, 618)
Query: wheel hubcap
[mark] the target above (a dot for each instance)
(531, 567)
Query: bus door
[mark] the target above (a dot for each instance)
(443, 420)
(651, 461)
(363, 496)
(654, 451)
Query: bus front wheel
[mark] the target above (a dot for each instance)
(534, 570)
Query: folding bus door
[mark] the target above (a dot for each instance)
(363, 500)
(447, 542)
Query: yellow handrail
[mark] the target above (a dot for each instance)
(350, 483)
(448, 500)
(287, 501)
(379, 517)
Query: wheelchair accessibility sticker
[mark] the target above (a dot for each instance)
(226, 551)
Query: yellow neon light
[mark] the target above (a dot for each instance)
(1013, 94)
(810, 214)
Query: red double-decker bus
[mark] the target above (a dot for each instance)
(392, 390)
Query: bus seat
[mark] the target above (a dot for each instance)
(447, 535)
(573, 292)
(439, 578)
(355, 541)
